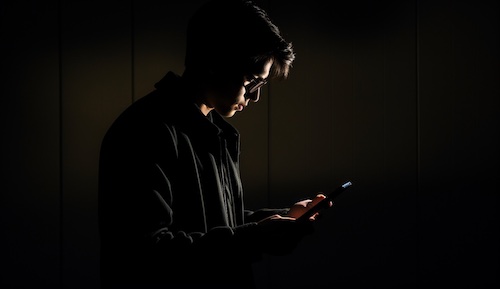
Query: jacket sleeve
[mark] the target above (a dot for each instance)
(260, 214)
(247, 241)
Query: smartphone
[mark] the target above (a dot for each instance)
(325, 202)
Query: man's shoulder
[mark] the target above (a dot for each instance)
(163, 103)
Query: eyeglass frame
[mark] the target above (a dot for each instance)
(254, 84)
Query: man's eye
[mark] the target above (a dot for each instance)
(250, 77)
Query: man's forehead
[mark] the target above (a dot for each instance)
(265, 69)
(261, 69)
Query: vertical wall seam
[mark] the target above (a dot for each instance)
(61, 155)
(353, 108)
(132, 51)
(417, 153)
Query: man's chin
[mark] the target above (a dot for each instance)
(227, 114)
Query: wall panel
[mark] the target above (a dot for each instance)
(459, 101)
(96, 87)
(29, 154)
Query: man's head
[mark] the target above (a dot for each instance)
(233, 45)
(235, 32)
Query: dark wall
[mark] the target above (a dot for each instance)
(400, 97)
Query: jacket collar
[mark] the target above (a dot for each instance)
(175, 93)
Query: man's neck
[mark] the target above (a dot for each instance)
(204, 109)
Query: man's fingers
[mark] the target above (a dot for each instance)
(320, 197)
(276, 217)
(314, 217)
(317, 199)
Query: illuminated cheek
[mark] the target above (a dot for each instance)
(242, 91)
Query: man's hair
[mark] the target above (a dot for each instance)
(223, 33)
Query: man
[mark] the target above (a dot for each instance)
(171, 206)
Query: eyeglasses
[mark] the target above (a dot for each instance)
(254, 84)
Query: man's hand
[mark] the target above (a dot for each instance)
(299, 208)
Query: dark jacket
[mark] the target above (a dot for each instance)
(170, 197)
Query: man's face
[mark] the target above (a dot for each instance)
(231, 96)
